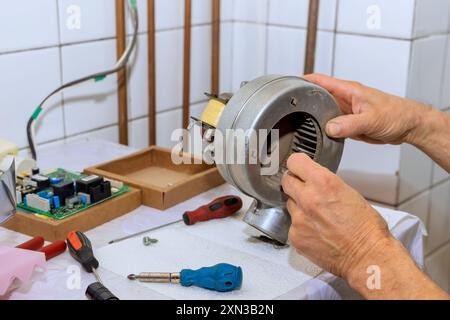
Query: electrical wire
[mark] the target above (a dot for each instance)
(99, 76)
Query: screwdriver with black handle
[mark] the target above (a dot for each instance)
(80, 249)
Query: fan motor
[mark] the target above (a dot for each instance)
(299, 110)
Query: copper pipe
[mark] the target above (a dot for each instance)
(187, 61)
(122, 74)
(311, 38)
(151, 72)
(215, 67)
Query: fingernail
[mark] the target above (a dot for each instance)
(333, 128)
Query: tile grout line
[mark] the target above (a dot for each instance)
(178, 28)
(438, 248)
(436, 185)
(336, 18)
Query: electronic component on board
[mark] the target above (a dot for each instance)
(96, 187)
(42, 182)
(85, 184)
(36, 202)
(85, 198)
(63, 190)
(56, 203)
(54, 193)
(72, 201)
(100, 192)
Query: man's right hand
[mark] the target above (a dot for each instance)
(376, 117)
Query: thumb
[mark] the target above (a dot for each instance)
(346, 126)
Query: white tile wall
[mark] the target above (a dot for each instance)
(372, 170)
(439, 217)
(376, 62)
(110, 133)
(197, 109)
(250, 10)
(437, 266)
(226, 10)
(138, 133)
(226, 56)
(445, 99)
(82, 20)
(439, 174)
(169, 66)
(286, 51)
(377, 17)
(166, 123)
(426, 69)
(431, 17)
(249, 52)
(415, 172)
(32, 24)
(418, 206)
(138, 80)
(200, 62)
(25, 79)
(169, 14)
(201, 11)
(295, 13)
(92, 105)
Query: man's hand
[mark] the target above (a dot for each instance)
(369, 114)
(373, 116)
(332, 224)
(338, 230)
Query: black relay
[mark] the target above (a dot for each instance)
(95, 187)
(42, 182)
(85, 184)
(64, 190)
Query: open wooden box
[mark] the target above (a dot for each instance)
(162, 182)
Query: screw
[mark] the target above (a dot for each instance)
(293, 101)
(149, 241)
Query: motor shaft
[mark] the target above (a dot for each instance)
(159, 277)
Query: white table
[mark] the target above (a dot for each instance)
(61, 280)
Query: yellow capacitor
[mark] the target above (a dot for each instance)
(212, 112)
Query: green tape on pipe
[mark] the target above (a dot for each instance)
(36, 112)
(133, 4)
(99, 78)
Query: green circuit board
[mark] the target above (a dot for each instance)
(64, 211)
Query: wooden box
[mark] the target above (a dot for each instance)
(162, 182)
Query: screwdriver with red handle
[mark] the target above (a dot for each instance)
(219, 208)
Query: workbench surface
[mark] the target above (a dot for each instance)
(269, 273)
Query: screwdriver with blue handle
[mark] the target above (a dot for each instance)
(222, 277)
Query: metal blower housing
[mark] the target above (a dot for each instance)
(300, 110)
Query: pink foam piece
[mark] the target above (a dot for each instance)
(18, 264)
